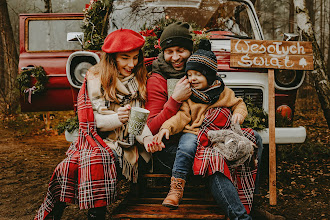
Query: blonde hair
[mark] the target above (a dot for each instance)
(108, 69)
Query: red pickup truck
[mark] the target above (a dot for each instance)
(45, 40)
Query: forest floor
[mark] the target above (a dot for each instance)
(29, 154)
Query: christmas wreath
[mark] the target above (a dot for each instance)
(24, 81)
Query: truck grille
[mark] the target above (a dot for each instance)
(255, 94)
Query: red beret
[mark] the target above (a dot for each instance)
(122, 40)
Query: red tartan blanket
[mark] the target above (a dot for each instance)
(208, 161)
(88, 175)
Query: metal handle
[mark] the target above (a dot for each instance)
(27, 67)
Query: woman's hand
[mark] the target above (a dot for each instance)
(182, 90)
(151, 146)
(238, 118)
(123, 113)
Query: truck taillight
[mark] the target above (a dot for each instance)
(285, 111)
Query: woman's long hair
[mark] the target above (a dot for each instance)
(108, 69)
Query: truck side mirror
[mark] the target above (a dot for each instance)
(75, 36)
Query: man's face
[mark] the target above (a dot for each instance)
(176, 56)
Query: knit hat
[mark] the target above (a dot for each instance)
(176, 34)
(204, 61)
(122, 40)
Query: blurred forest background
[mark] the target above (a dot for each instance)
(302, 169)
(276, 17)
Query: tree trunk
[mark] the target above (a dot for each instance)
(328, 61)
(48, 6)
(10, 58)
(318, 76)
(291, 17)
(310, 8)
(2, 71)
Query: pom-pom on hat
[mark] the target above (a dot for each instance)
(122, 40)
(204, 61)
(177, 34)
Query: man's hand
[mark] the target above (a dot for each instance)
(182, 90)
(123, 113)
(238, 118)
(151, 146)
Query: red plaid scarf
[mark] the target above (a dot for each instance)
(208, 160)
(88, 175)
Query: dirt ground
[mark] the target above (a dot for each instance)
(27, 160)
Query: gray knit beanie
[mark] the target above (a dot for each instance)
(176, 34)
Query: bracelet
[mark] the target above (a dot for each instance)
(145, 137)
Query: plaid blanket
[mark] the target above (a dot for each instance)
(208, 160)
(88, 175)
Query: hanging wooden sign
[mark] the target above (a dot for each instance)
(295, 55)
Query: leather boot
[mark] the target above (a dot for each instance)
(175, 194)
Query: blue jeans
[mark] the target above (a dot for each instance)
(185, 155)
(226, 196)
(260, 149)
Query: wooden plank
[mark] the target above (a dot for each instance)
(154, 175)
(295, 55)
(185, 201)
(272, 146)
(154, 211)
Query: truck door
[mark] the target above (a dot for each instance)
(43, 42)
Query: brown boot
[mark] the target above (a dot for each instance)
(175, 194)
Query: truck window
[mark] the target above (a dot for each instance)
(210, 14)
(50, 35)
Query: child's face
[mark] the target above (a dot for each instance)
(197, 80)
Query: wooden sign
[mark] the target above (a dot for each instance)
(295, 55)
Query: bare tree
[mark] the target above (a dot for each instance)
(48, 6)
(310, 8)
(10, 59)
(318, 76)
(291, 16)
(2, 70)
(328, 62)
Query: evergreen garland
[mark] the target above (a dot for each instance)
(257, 118)
(70, 125)
(152, 34)
(96, 24)
(24, 80)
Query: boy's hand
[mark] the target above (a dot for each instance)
(152, 146)
(182, 90)
(159, 137)
(237, 118)
(123, 113)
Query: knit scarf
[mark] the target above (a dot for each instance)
(164, 69)
(210, 95)
(127, 93)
